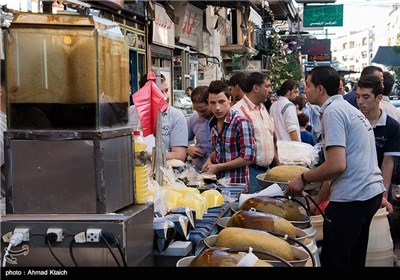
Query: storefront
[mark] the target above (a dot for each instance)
(137, 53)
(189, 36)
(131, 19)
(163, 40)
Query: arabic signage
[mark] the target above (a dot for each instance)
(164, 28)
(320, 57)
(317, 50)
(315, 46)
(190, 29)
(323, 15)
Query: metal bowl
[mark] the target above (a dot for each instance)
(222, 222)
(236, 253)
(301, 235)
(210, 241)
(284, 185)
(185, 262)
(303, 223)
(235, 207)
(301, 256)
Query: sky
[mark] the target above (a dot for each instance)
(360, 14)
(363, 14)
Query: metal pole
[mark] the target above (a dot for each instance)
(159, 151)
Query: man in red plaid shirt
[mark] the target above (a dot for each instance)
(232, 138)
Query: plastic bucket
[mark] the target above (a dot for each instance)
(314, 251)
(317, 222)
(311, 233)
(380, 243)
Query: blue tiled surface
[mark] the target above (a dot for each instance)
(205, 226)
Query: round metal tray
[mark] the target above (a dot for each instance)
(284, 185)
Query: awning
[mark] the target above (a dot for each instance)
(343, 71)
(241, 49)
(255, 17)
(388, 56)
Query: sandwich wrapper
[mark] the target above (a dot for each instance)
(187, 212)
(273, 190)
(164, 233)
(182, 225)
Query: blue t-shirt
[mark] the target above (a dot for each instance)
(351, 97)
(307, 137)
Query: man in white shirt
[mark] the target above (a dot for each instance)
(284, 113)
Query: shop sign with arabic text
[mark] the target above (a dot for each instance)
(323, 15)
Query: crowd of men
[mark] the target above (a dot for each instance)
(235, 131)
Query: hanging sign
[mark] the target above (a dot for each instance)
(323, 15)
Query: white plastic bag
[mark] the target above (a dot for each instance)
(295, 153)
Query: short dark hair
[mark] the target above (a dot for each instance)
(327, 77)
(143, 81)
(238, 78)
(303, 119)
(370, 70)
(372, 82)
(287, 86)
(255, 78)
(388, 82)
(217, 87)
(200, 95)
(299, 101)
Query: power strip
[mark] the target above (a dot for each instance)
(93, 235)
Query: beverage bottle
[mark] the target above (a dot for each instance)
(141, 172)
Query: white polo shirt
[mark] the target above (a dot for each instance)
(284, 114)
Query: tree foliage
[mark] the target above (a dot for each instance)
(281, 64)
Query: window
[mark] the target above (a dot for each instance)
(364, 41)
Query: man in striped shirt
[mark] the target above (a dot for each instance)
(232, 138)
(251, 107)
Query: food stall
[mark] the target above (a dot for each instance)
(68, 148)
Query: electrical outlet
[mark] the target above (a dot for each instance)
(24, 231)
(58, 231)
(93, 235)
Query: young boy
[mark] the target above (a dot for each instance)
(306, 136)
(232, 138)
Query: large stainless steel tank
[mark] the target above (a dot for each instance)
(68, 147)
